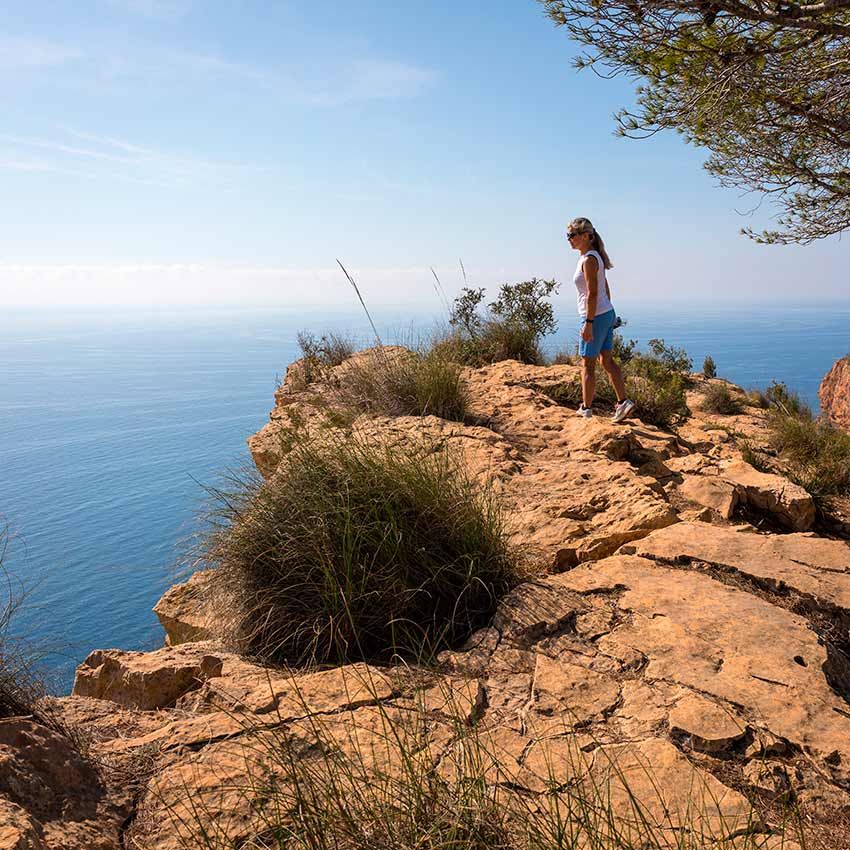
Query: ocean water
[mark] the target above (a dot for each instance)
(112, 425)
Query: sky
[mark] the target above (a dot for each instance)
(215, 152)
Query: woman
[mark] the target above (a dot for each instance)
(597, 313)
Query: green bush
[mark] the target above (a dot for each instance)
(358, 551)
(656, 382)
(718, 398)
(657, 389)
(709, 367)
(510, 329)
(817, 454)
(319, 355)
(672, 358)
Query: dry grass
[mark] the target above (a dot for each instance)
(356, 551)
(386, 778)
(718, 398)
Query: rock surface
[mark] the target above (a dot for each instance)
(834, 393)
(666, 649)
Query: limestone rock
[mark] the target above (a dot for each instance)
(714, 493)
(834, 394)
(772, 494)
(184, 610)
(146, 680)
(813, 567)
(699, 633)
(708, 727)
(51, 798)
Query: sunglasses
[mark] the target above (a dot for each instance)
(573, 235)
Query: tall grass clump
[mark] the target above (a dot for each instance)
(509, 328)
(394, 382)
(816, 454)
(358, 551)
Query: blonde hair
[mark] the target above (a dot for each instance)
(585, 225)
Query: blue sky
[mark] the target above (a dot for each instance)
(182, 151)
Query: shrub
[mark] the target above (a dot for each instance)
(512, 327)
(709, 367)
(565, 358)
(672, 358)
(358, 551)
(320, 355)
(718, 398)
(816, 453)
(657, 389)
(624, 352)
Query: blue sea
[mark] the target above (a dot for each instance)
(112, 425)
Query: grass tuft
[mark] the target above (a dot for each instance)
(402, 383)
(718, 398)
(356, 551)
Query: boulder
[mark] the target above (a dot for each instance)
(772, 494)
(184, 610)
(51, 797)
(813, 567)
(146, 680)
(710, 492)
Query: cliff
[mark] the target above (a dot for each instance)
(684, 638)
(834, 394)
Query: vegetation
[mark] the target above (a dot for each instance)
(402, 383)
(320, 355)
(510, 329)
(355, 550)
(20, 689)
(761, 85)
(709, 367)
(655, 381)
(817, 455)
(391, 786)
(718, 398)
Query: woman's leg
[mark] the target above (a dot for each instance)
(615, 373)
(588, 380)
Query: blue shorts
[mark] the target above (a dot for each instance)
(603, 335)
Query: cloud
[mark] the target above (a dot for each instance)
(14, 164)
(165, 9)
(18, 54)
(136, 163)
(208, 284)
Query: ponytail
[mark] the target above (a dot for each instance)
(599, 246)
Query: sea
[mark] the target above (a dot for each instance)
(115, 425)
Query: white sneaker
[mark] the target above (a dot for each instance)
(584, 412)
(622, 410)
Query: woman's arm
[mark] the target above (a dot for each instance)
(590, 269)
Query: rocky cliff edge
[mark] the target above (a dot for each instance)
(685, 625)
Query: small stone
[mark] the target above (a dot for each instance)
(710, 728)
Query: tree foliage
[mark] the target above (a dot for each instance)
(764, 85)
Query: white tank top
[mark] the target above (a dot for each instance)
(603, 303)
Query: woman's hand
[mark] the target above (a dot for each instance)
(587, 332)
